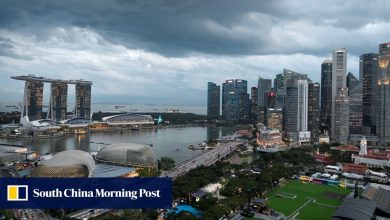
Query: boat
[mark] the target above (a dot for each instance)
(80, 131)
(119, 106)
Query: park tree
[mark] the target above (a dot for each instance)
(165, 163)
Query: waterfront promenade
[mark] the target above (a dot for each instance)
(206, 159)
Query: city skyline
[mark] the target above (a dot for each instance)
(134, 55)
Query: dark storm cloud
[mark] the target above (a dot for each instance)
(171, 48)
(180, 27)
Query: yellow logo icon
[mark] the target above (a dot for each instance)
(17, 193)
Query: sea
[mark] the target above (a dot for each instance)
(109, 107)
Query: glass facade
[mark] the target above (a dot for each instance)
(341, 123)
(235, 101)
(296, 108)
(356, 109)
(263, 86)
(368, 70)
(213, 101)
(314, 111)
(383, 83)
(254, 106)
(326, 96)
(352, 82)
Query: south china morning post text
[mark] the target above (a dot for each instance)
(100, 193)
(58, 193)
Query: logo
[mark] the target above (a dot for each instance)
(17, 193)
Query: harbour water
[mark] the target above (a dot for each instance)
(107, 107)
(170, 142)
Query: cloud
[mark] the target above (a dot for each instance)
(170, 49)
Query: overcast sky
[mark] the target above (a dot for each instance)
(167, 51)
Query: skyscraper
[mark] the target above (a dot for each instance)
(326, 95)
(254, 107)
(352, 81)
(58, 101)
(368, 70)
(341, 122)
(83, 101)
(280, 84)
(356, 109)
(33, 99)
(235, 101)
(297, 111)
(314, 111)
(270, 99)
(383, 83)
(213, 101)
(263, 86)
(339, 70)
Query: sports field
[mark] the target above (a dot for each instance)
(306, 200)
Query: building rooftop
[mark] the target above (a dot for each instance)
(44, 79)
(127, 154)
(347, 148)
(107, 170)
(354, 168)
(70, 163)
(357, 209)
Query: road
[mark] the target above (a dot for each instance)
(88, 213)
(206, 159)
(30, 214)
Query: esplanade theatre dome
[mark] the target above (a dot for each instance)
(70, 163)
(128, 154)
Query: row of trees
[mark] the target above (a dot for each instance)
(242, 184)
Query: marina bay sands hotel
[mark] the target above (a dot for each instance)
(33, 98)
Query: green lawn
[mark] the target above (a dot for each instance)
(303, 190)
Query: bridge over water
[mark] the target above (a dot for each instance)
(206, 159)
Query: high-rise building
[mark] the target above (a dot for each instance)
(263, 86)
(83, 101)
(58, 101)
(296, 108)
(314, 111)
(352, 82)
(280, 90)
(326, 96)
(341, 122)
(270, 99)
(383, 88)
(368, 70)
(339, 86)
(235, 101)
(213, 101)
(281, 82)
(274, 118)
(254, 107)
(356, 109)
(33, 99)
